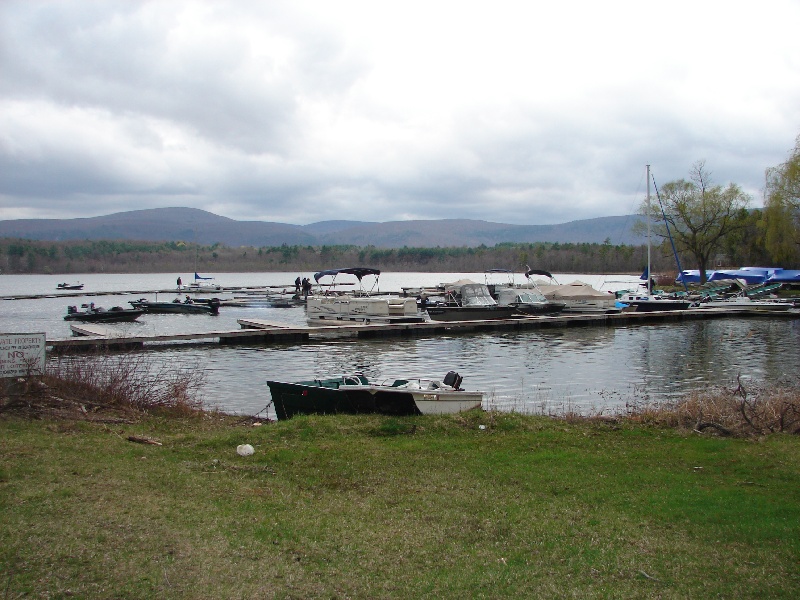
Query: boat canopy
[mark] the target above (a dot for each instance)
(359, 272)
(530, 272)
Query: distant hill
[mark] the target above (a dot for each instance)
(199, 226)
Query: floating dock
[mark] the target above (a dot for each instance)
(257, 331)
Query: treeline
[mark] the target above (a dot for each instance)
(107, 256)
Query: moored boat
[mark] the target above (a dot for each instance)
(358, 306)
(98, 314)
(578, 297)
(527, 300)
(187, 307)
(466, 300)
(355, 394)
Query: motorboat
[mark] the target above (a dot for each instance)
(69, 286)
(329, 306)
(651, 302)
(98, 314)
(186, 307)
(527, 301)
(578, 297)
(355, 394)
(745, 304)
(466, 300)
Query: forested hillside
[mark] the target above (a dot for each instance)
(27, 256)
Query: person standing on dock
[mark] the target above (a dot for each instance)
(297, 283)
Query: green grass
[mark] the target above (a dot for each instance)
(377, 507)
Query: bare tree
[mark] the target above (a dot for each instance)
(700, 215)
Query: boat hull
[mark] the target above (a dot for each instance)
(177, 308)
(470, 313)
(320, 397)
(106, 316)
(657, 305)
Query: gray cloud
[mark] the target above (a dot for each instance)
(305, 111)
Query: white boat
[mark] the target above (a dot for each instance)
(201, 285)
(650, 302)
(743, 304)
(331, 307)
(578, 297)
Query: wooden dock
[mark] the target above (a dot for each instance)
(259, 331)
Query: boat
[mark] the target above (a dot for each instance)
(466, 300)
(578, 297)
(355, 394)
(98, 314)
(70, 286)
(741, 302)
(201, 284)
(528, 301)
(187, 307)
(650, 301)
(331, 307)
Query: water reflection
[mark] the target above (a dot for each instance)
(587, 370)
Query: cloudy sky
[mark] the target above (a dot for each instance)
(527, 112)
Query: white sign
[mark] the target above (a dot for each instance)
(21, 354)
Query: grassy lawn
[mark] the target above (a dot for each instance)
(381, 507)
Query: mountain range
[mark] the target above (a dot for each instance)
(202, 227)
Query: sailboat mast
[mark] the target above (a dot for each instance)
(649, 278)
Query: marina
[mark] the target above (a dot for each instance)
(545, 364)
(91, 335)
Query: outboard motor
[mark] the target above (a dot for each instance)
(452, 379)
(71, 310)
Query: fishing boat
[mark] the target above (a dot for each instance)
(187, 307)
(355, 394)
(69, 286)
(98, 314)
(329, 306)
(466, 300)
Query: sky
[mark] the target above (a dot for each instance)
(524, 112)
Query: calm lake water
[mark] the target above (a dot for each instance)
(586, 369)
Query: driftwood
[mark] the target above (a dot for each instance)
(143, 440)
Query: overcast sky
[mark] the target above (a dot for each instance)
(525, 112)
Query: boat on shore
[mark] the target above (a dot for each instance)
(98, 314)
(355, 394)
(331, 307)
(187, 307)
(466, 300)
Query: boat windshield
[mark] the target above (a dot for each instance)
(531, 297)
(476, 295)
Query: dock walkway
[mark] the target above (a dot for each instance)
(259, 331)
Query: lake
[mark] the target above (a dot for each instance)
(587, 370)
